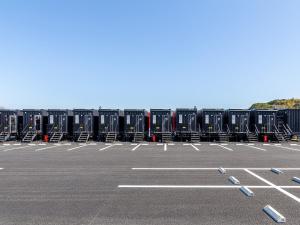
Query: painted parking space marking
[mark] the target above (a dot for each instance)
(133, 144)
(16, 148)
(17, 144)
(224, 147)
(107, 147)
(41, 149)
(136, 147)
(194, 147)
(171, 144)
(207, 186)
(1, 168)
(80, 146)
(254, 147)
(6, 144)
(212, 168)
(165, 147)
(273, 185)
(288, 148)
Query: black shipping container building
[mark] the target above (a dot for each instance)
(212, 121)
(109, 124)
(32, 126)
(134, 124)
(288, 122)
(186, 124)
(83, 124)
(292, 119)
(264, 121)
(161, 124)
(8, 125)
(213, 127)
(238, 123)
(58, 124)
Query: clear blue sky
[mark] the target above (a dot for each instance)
(149, 53)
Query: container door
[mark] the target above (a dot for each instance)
(139, 124)
(270, 123)
(113, 123)
(88, 123)
(13, 124)
(243, 123)
(63, 123)
(5, 124)
(37, 122)
(165, 123)
(217, 123)
(191, 122)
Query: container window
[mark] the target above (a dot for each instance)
(233, 119)
(128, 119)
(206, 119)
(180, 118)
(102, 119)
(76, 119)
(154, 119)
(259, 119)
(51, 119)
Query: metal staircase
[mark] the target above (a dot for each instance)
(138, 137)
(195, 137)
(252, 137)
(4, 136)
(166, 137)
(111, 137)
(83, 137)
(223, 136)
(56, 137)
(29, 136)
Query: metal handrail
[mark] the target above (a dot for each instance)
(228, 130)
(247, 129)
(289, 129)
(256, 130)
(276, 129)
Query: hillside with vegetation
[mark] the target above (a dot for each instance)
(293, 103)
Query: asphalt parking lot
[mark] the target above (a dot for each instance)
(147, 183)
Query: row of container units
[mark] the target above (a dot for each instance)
(157, 125)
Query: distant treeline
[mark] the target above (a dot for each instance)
(293, 103)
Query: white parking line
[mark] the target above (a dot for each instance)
(293, 149)
(160, 144)
(273, 185)
(197, 149)
(107, 147)
(229, 149)
(250, 146)
(41, 149)
(1, 168)
(134, 144)
(209, 168)
(171, 144)
(206, 186)
(165, 147)
(31, 144)
(80, 146)
(5, 150)
(17, 144)
(136, 147)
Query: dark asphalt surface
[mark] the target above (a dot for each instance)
(55, 186)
